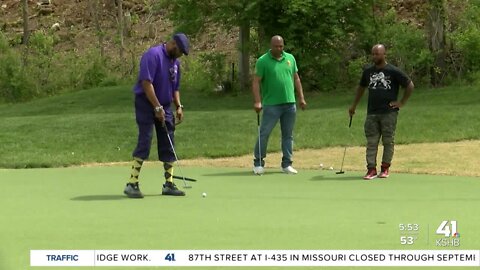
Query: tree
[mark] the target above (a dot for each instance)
(244, 74)
(437, 41)
(120, 26)
(192, 16)
(323, 35)
(26, 30)
(464, 35)
(94, 10)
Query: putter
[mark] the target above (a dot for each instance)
(259, 145)
(184, 178)
(344, 150)
(176, 158)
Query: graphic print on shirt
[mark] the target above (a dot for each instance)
(173, 72)
(379, 80)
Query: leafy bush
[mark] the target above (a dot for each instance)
(15, 85)
(407, 47)
(354, 70)
(214, 63)
(39, 70)
(95, 72)
(465, 39)
(319, 34)
(195, 77)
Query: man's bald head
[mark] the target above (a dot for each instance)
(378, 54)
(277, 45)
(379, 48)
(276, 39)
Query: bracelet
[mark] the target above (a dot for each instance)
(158, 108)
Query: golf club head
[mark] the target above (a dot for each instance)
(185, 185)
(340, 172)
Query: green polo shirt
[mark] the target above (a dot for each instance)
(277, 86)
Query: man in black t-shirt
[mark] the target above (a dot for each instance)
(383, 81)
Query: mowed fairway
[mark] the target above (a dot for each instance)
(84, 208)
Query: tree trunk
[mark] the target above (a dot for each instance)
(120, 26)
(94, 10)
(26, 30)
(437, 42)
(262, 39)
(127, 20)
(244, 67)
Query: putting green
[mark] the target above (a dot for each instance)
(84, 208)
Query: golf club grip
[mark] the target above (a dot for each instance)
(185, 178)
(350, 124)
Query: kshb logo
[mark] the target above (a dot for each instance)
(450, 236)
(448, 230)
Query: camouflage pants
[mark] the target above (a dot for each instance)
(376, 126)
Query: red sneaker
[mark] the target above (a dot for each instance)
(384, 170)
(371, 174)
(383, 173)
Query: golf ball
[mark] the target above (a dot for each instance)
(321, 165)
(204, 194)
(331, 168)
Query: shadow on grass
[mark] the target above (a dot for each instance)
(99, 198)
(88, 198)
(336, 177)
(240, 173)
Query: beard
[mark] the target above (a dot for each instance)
(378, 61)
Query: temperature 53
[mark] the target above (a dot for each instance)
(407, 240)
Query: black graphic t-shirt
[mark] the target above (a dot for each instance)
(383, 85)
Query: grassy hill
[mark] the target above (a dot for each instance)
(97, 125)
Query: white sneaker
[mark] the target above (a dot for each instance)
(258, 170)
(289, 170)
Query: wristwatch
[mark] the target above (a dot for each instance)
(180, 106)
(159, 108)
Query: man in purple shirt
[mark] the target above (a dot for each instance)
(156, 89)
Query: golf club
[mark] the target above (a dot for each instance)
(176, 158)
(184, 178)
(344, 150)
(259, 145)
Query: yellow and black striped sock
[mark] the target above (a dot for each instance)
(136, 167)
(168, 166)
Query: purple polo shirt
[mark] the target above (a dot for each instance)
(164, 73)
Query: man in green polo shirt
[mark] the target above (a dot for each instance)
(274, 85)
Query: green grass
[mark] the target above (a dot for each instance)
(98, 125)
(84, 208)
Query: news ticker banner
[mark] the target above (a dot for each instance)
(237, 258)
